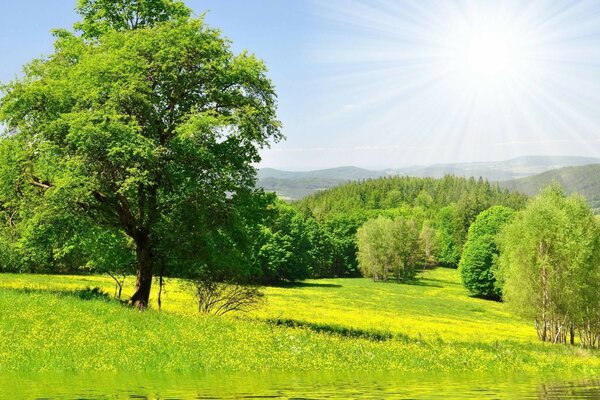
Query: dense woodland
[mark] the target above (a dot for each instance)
(392, 192)
(270, 241)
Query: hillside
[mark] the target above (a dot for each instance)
(359, 325)
(296, 185)
(396, 191)
(584, 180)
(500, 170)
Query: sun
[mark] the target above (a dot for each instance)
(461, 80)
(487, 55)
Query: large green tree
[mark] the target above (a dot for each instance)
(478, 261)
(142, 122)
(549, 265)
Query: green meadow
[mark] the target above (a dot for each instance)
(55, 324)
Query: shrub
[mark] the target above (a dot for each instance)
(478, 261)
(219, 298)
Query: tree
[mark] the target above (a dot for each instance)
(342, 230)
(284, 250)
(146, 123)
(372, 254)
(429, 241)
(549, 265)
(389, 247)
(470, 196)
(322, 250)
(478, 262)
(449, 246)
(405, 248)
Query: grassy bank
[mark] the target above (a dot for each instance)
(338, 324)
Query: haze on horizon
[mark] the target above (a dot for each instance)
(384, 84)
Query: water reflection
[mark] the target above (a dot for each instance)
(357, 385)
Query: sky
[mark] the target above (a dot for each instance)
(391, 83)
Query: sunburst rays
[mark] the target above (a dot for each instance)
(458, 81)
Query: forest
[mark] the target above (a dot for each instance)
(281, 242)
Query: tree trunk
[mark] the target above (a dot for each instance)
(572, 334)
(145, 261)
(161, 283)
(545, 299)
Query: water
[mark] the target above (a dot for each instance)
(298, 386)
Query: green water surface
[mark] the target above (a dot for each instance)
(357, 385)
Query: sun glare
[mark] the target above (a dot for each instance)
(488, 55)
(445, 80)
(484, 56)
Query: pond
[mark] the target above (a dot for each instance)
(358, 385)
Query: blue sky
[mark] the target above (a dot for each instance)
(385, 83)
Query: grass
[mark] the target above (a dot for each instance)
(51, 323)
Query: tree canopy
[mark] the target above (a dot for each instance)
(550, 268)
(389, 247)
(102, 16)
(144, 129)
(478, 262)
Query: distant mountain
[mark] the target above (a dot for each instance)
(584, 180)
(499, 170)
(340, 173)
(296, 185)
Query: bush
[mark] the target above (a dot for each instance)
(476, 267)
(94, 293)
(219, 298)
(478, 261)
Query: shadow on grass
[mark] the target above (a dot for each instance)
(483, 297)
(412, 282)
(418, 282)
(88, 293)
(305, 285)
(332, 329)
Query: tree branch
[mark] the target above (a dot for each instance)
(41, 184)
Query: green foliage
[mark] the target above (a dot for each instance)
(443, 209)
(284, 246)
(478, 261)
(429, 193)
(342, 233)
(291, 245)
(550, 266)
(137, 136)
(389, 246)
(449, 236)
(103, 16)
(429, 240)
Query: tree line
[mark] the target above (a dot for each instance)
(409, 222)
